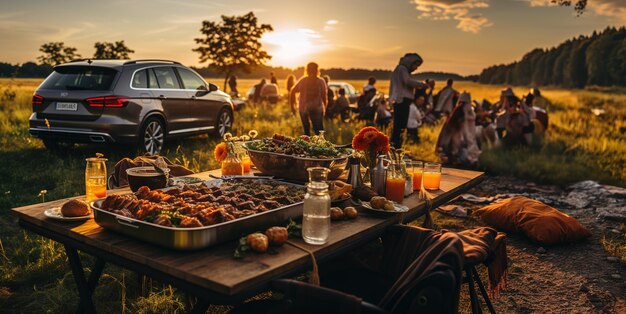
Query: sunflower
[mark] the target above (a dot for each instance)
(220, 152)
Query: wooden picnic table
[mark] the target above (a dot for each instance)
(212, 274)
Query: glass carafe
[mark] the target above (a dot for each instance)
(95, 178)
(316, 212)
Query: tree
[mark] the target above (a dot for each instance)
(117, 50)
(56, 53)
(579, 5)
(233, 45)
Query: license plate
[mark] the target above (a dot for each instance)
(67, 106)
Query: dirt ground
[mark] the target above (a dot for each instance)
(569, 278)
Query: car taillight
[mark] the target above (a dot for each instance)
(107, 101)
(37, 100)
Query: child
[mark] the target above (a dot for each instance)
(415, 119)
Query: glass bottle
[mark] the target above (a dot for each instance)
(95, 178)
(316, 212)
(232, 166)
(396, 180)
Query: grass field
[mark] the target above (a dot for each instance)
(33, 272)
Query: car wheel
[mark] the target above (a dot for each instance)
(224, 122)
(57, 146)
(152, 136)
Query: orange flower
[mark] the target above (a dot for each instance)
(220, 152)
(382, 143)
(370, 136)
(359, 143)
(367, 136)
(367, 129)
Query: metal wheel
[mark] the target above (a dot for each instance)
(153, 137)
(224, 122)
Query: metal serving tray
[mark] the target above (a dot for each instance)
(195, 238)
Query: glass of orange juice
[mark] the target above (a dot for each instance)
(416, 169)
(394, 185)
(246, 162)
(432, 176)
(95, 178)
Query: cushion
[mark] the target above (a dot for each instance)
(538, 221)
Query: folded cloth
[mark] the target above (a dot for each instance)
(120, 179)
(453, 210)
(486, 245)
(411, 254)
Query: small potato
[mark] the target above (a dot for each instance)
(258, 242)
(277, 235)
(388, 206)
(336, 213)
(378, 202)
(350, 212)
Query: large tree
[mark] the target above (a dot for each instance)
(579, 5)
(233, 44)
(116, 50)
(56, 53)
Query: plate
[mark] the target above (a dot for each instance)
(341, 200)
(398, 208)
(55, 213)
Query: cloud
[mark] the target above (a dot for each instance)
(462, 11)
(330, 24)
(611, 8)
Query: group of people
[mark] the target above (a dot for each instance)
(469, 125)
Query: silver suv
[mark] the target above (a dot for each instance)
(138, 102)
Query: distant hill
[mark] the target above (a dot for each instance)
(599, 59)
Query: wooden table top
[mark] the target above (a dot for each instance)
(214, 268)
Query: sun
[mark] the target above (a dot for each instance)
(291, 48)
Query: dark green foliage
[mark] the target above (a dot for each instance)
(599, 59)
(56, 53)
(116, 50)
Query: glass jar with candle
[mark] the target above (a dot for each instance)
(316, 212)
(95, 178)
(394, 186)
(432, 176)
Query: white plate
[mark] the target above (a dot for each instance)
(397, 208)
(55, 213)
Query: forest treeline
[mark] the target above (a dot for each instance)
(598, 59)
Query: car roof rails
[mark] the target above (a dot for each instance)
(149, 60)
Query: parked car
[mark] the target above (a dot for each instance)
(269, 92)
(351, 93)
(138, 102)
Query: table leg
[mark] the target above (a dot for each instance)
(201, 306)
(84, 291)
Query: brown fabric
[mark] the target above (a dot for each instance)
(486, 245)
(538, 221)
(119, 178)
(411, 254)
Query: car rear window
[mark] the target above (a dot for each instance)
(145, 79)
(190, 79)
(80, 78)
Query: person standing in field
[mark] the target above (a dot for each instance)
(312, 99)
(330, 103)
(232, 83)
(291, 80)
(370, 84)
(401, 91)
(446, 98)
(273, 79)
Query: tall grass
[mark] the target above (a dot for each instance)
(34, 276)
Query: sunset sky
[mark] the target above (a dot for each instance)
(462, 36)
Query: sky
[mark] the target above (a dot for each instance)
(462, 36)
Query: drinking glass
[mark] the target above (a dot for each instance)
(432, 175)
(95, 178)
(416, 170)
(394, 187)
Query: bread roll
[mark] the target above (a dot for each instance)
(75, 208)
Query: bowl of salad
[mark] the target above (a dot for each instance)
(289, 157)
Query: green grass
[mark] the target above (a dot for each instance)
(34, 276)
